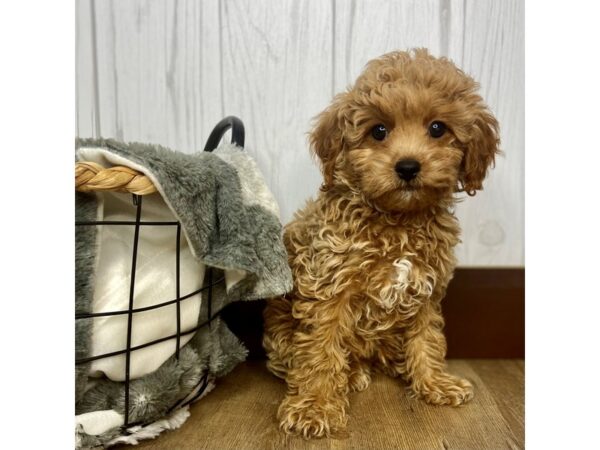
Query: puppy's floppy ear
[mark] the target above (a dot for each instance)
(480, 150)
(327, 139)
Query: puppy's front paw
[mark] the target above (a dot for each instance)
(311, 418)
(359, 379)
(444, 389)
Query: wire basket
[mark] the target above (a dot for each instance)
(92, 177)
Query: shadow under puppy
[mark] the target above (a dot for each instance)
(372, 255)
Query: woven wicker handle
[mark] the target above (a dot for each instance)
(90, 177)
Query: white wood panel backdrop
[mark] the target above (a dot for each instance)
(166, 71)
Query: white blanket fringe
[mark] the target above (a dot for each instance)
(139, 433)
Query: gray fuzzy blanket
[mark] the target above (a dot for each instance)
(230, 223)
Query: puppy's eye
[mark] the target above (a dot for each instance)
(379, 132)
(437, 129)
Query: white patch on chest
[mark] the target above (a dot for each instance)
(406, 290)
(403, 268)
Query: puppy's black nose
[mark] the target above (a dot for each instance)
(407, 169)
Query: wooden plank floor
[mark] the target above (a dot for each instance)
(240, 414)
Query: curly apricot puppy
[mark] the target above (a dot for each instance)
(372, 255)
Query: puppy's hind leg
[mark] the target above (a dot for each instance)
(317, 396)
(277, 339)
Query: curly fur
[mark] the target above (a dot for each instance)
(372, 255)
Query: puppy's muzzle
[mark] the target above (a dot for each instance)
(407, 169)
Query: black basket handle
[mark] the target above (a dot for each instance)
(237, 133)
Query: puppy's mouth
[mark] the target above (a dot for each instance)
(409, 187)
(409, 195)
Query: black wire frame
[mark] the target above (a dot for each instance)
(215, 137)
(131, 310)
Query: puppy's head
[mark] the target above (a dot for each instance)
(408, 134)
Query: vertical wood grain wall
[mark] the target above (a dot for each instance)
(165, 71)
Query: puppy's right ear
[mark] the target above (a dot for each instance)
(327, 138)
